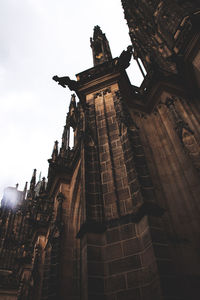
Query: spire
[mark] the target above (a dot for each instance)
(25, 187)
(100, 47)
(73, 98)
(65, 140)
(33, 180)
(43, 186)
(72, 106)
(24, 193)
(55, 151)
(71, 117)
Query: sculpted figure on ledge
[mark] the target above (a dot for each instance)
(124, 59)
(66, 81)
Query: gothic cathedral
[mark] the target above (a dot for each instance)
(119, 216)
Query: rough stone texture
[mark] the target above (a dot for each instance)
(176, 182)
(8, 295)
(119, 215)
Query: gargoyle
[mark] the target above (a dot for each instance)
(123, 61)
(66, 81)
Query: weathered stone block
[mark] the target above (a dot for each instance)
(146, 238)
(158, 235)
(109, 197)
(115, 283)
(123, 194)
(161, 251)
(132, 246)
(97, 297)
(113, 251)
(165, 266)
(95, 253)
(127, 231)
(96, 239)
(133, 294)
(96, 285)
(142, 225)
(112, 235)
(97, 268)
(148, 256)
(124, 264)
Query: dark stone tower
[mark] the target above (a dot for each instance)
(100, 47)
(119, 215)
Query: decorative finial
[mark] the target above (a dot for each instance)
(43, 186)
(55, 151)
(97, 31)
(25, 187)
(73, 98)
(33, 180)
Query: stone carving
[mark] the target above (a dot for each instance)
(66, 81)
(123, 115)
(103, 92)
(186, 135)
(124, 59)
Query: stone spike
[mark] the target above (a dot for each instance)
(43, 185)
(55, 151)
(33, 180)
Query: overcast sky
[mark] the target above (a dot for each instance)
(39, 39)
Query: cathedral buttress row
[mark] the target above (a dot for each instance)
(118, 217)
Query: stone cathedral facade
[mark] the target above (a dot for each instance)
(119, 216)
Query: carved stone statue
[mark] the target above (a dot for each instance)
(66, 81)
(125, 57)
